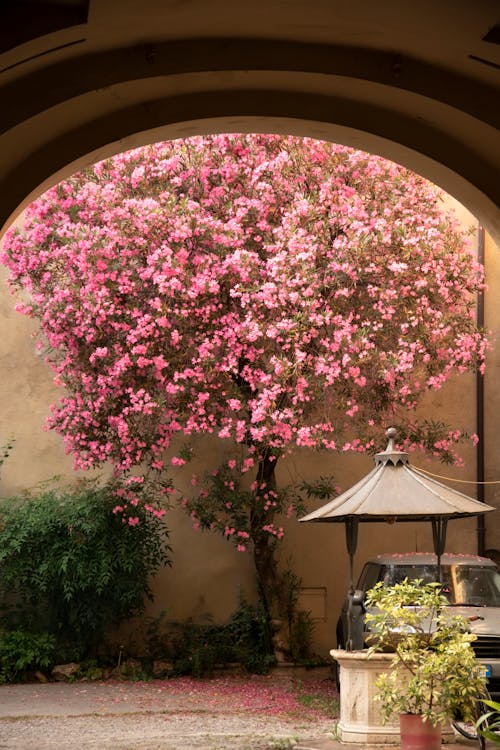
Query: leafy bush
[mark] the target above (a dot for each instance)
(434, 672)
(72, 568)
(197, 648)
(189, 648)
(249, 629)
(300, 625)
(22, 652)
(301, 633)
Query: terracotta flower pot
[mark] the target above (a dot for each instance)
(417, 734)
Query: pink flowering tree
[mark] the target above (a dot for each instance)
(275, 293)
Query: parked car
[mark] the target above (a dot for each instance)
(470, 583)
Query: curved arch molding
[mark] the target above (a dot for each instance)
(60, 114)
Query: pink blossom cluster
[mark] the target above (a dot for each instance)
(270, 291)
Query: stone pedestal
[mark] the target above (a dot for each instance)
(360, 717)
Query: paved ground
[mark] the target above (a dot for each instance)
(147, 716)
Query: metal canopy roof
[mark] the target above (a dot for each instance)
(395, 491)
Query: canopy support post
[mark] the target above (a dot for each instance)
(439, 528)
(351, 537)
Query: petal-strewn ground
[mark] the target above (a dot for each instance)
(225, 712)
(271, 712)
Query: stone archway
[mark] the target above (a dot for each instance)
(415, 82)
(85, 79)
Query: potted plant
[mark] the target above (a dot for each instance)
(435, 676)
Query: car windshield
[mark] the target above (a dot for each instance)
(463, 585)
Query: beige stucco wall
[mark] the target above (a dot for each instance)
(207, 571)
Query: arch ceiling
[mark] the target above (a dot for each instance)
(418, 82)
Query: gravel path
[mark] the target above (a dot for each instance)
(260, 713)
(156, 716)
(165, 732)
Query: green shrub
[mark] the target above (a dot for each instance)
(22, 653)
(197, 648)
(301, 632)
(249, 629)
(72, 568)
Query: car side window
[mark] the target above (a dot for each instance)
(370, 575)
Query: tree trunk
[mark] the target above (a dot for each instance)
(271, 582)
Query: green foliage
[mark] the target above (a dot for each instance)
(249, 629)
(197, 648)
(428, 435)
(435, 671)
(90, 669)
(226, 488)
(5, 451)
(156, 634)
(319, 702)
(282, 743)
(291, 584)
(489, 723)
(301, 631)
(72, 568)
(22, 652)
(322, 488)
(299, 622)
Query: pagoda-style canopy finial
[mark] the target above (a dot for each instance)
(391, 455)
(390, 434)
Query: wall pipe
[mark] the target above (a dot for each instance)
(480, 468)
